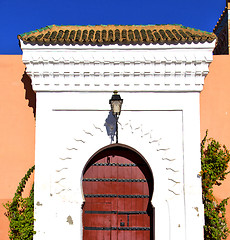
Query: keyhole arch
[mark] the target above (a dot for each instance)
(132, 160)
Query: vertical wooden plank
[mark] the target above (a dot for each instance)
(139, 218)
(146, 235)
(121, 201)
(120, 235)
(139, 174)
(114, 191)
(114, 219)
(145, 188)
(107, 222)
(139, 204)
(133, 217)
(86, 221)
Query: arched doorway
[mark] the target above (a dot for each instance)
(118, 187)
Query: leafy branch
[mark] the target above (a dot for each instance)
(20, 211)
(214, 166)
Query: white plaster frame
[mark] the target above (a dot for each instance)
(80, 79)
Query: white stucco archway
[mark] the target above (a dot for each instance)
(69, 171)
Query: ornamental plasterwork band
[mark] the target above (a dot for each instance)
(63, 187)
(123, 69)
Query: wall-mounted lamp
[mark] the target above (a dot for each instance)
(116, 103)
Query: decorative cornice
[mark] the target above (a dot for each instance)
(141, 68)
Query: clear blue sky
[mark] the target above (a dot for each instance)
(19, 16)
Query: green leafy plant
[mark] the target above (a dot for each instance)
(20, 212)
(214, 165)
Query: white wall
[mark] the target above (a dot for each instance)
(152, 123)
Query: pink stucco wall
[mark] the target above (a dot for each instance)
(17, 131)
(215, 112)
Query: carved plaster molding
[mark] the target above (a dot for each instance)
(124, 69)
(62, 183)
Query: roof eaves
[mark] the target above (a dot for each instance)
(110, 34)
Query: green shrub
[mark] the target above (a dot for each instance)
(20, 212)
(214, 165)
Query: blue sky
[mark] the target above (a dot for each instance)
(26, 15)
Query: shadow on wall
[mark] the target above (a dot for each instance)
(110, 124)
(30, 94)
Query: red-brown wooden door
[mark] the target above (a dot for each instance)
(116, 194)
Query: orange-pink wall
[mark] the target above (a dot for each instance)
(215, 100)
(215, 112)
(17, 124)
(17, 132)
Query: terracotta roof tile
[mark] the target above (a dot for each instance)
(121, 34)
(223, 15)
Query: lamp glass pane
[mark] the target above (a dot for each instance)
(116, 107)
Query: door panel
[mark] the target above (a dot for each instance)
(116, 200)
(98, 225)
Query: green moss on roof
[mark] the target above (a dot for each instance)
(166, 33)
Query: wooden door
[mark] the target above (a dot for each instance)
(116, 200)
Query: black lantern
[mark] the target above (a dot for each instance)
(116, 103)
